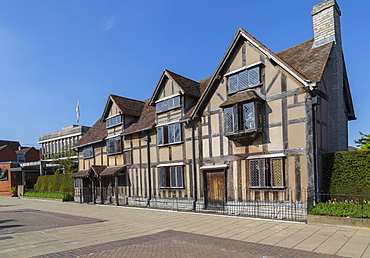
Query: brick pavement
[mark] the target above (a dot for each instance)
(30, 228)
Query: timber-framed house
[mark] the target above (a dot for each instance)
(253, 131)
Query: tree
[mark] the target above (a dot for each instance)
(65, 161)
(364, 142)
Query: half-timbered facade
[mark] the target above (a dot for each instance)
(254, 130)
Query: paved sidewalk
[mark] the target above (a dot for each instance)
(31, 228)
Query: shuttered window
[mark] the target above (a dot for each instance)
(114, 145)
(242, 117)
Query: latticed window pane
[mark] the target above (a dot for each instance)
(114, 145)
(253, 76)
(277, 172)
(254, 172)
(229, 119)
(88, 152)
(179, 177)
(173, 176)
(243, 80)
(176, 101)
(171, 133)
(177, 128)
(233, 83)
(162, 177)
(159, 107)
(248, 116)
(160, 138)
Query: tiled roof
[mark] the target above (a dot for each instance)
(97, 169)
(12, 144)
(146, 120)
(308, 61)
(241, 97)
(189, 86)
(23, 150)
(96, 133)
(111, 171)
(81, 173)
(128, 106)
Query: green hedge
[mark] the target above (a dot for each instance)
(341, 210)
(347, 172)
(48, 195)
(55, 183)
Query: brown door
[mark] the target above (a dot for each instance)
(215, 189)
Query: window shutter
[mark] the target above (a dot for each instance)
(248, 116)
(180, 176)
(171, 133)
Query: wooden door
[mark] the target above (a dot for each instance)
(215, 190)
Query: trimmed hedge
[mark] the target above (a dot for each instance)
(48, 195)
(55, 183)
(347, 172)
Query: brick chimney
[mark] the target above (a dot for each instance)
(326, 23)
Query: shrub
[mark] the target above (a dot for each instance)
(341, 210)
(347, 172)
(48, 195)
(55, 183)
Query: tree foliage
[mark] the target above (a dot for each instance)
(65, 161)
(364, 142)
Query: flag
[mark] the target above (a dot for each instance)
(78, 111)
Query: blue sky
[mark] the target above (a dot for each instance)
(53, 53)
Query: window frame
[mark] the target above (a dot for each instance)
(117, 141)
(265, 174)
(110, 121)
(90, 154)
(236, 115)
(168, 177)
(169, 134)
(168, 104)
(246, 75)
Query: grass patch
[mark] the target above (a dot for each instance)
(341, 210)
(48, 195)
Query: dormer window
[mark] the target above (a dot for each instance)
(244, 78)
(167, 104)
(114, 120)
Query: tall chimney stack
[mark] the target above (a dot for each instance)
(326, 23)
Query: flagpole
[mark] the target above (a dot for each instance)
(78, 112)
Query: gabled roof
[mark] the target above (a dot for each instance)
(95, 134)
(127, 106)
(306, 60)
(23, 150)
(296, 70)
(12, 144)
(187, 86)
(111, 171)
(146, 120)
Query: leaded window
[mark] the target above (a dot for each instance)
(171, 177)
(88, 152)
(114, 145)
(167, 104)
(242, 117)
(169, 134)
(244, 79)
(114, 120)
(266, 172)
(78, 183)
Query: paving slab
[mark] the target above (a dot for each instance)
(50, 229)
